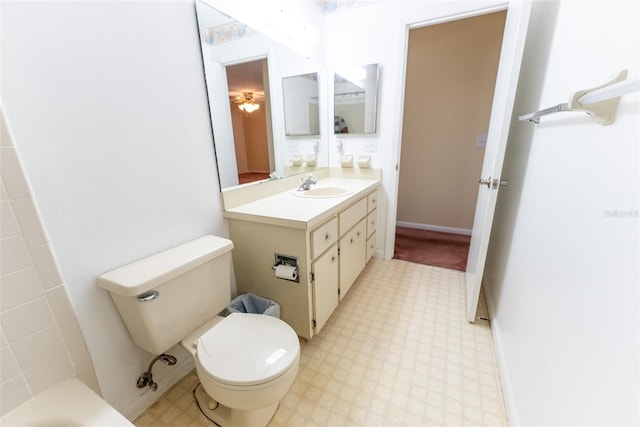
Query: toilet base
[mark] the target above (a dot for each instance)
(227, 417)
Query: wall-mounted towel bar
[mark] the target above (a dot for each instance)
(600, 102)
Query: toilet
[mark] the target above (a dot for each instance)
(245, 362)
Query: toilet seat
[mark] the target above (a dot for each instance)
(256, 349)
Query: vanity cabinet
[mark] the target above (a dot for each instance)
(330, 253)
(324, 282)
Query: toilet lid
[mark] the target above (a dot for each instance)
(248, 349)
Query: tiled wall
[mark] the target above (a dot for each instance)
(41, 339)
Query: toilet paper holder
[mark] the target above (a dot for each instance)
(289, 261)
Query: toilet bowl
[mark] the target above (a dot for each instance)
(245, 362)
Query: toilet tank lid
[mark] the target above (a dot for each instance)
(145, 274)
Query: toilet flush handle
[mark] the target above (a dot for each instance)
(148, 296)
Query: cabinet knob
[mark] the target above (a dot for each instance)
(326, 236)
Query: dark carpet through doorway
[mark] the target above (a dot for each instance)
(432, 248)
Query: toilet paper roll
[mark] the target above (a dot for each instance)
(288, 272)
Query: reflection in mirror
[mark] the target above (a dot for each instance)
(301, 114)
(248, 82)
(226, 44)
(355, 99)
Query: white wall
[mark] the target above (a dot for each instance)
(109, 111)
(562, 270)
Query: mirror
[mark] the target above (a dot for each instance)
(301, 113)
(227, 43)
(355, 100)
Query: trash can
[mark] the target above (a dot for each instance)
(251, 303)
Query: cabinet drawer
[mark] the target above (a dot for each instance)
(372, 220)
(323, 237)
(372, 201)
(371, 246)
(352, 215)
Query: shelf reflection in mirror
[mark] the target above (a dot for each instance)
(226, 42)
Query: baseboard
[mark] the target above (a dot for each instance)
(505, 380)
(430, 227)
(148, 398)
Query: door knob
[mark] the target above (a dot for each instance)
(486, 182)
(493, 183)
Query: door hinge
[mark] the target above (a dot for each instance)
(313, 277)
(313, 321)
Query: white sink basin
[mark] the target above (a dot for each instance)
(321, 192)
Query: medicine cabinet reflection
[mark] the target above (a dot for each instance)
(301, 112)
(355, 99)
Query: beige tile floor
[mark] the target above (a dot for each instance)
(396, 352)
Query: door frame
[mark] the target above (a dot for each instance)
(515, 32)
(403, 57)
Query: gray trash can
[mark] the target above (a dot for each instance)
(251, 303)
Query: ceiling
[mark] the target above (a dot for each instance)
(246, 77)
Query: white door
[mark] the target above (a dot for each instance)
(515, 32)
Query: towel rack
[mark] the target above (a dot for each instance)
(600, 102)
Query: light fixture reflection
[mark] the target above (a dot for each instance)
(273, 358)
(248, 104)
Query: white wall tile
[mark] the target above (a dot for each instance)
(27, 319)
(15, 255)
(5, 136)
(33, 349)
(38, 347)
(19, 288)
(25, 211)
(50, 372)
(9, 367)
(8, 221)
(75, 343)
(61, 306)
(46, 266)
(3, 190)
(14, 393)
(4, 342)
(12, 175)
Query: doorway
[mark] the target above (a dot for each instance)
(450, 81)
(248, 88)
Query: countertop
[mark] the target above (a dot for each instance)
(290, 210)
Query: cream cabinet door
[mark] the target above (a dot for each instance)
(325, 286)
(353, 250)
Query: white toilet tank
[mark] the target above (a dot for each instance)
(164, 297)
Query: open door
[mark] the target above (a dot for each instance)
(515, 33)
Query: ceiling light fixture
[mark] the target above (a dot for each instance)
(248, 103)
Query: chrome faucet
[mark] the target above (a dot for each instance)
(307, 183)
